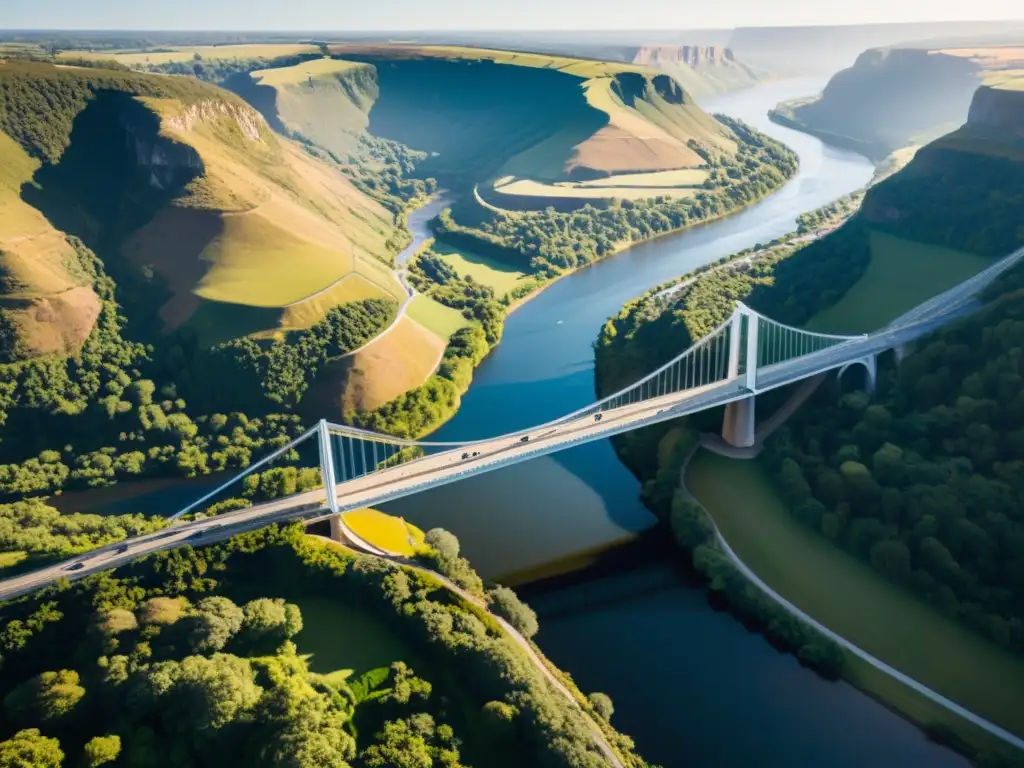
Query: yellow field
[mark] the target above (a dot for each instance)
(436, 317)
(300, 73)
(528, 188)
(684, 177)
(398, 361)
(392, 534)
(187, 53)
(582, 68)
(1007, 80)
(490, 272)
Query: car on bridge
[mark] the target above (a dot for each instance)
(598, 416)
(75, 566)
(524, 439)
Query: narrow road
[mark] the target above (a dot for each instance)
(856, 650)
(512, 632)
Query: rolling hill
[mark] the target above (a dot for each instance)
(180, 187)
(483, 115)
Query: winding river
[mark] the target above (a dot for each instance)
(690, 684)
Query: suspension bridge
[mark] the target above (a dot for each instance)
(745, 356)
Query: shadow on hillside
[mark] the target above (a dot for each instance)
(262, 98)
(114, 175)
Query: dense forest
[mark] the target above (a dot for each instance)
(184, 659)
(925, 481)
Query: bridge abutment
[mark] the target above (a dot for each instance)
(870, 364)
(738, 427)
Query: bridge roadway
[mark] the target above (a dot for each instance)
(448, 466)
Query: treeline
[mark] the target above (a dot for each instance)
(696, 534)
(432, 275)
(549, 242)
(925, 482)
(179, 662)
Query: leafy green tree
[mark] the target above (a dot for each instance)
(215, 621)
(506, 603)
(30, 749)
(47, 696)
(602, 704)
(100, 750)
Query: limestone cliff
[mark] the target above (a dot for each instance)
(964, 190)
(703, 70)
(889, 98)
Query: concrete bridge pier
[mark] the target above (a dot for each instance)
(738, 425)
(338, 530)
(870, 364)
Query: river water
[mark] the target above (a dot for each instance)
(691, 685)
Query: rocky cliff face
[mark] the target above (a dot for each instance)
(999, 109)
(695, 56)
(703, 70)
(171, 165)
(891, 98)
(965, 190)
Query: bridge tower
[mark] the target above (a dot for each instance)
(330, 482)
(738, 425)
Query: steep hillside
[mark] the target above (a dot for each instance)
(223, 221)
(480, 115)
(892, 98)
(889, 98)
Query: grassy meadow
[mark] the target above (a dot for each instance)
(436, 317)
(900, 275)
(499, 276)
(853, 600)
(337, 637)
(301, 73)
(188, 53)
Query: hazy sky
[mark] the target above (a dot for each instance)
(482, 14)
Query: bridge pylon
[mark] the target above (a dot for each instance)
(738, 425)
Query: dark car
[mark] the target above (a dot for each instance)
(465, 456)
(200, 534)
(75, 567)
(121, 550)
(598, 416)
(524, 439)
